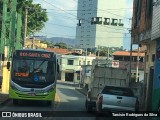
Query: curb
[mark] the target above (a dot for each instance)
(71, 84)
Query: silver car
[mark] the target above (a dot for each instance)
(118, 99)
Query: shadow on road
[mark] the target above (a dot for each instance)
(32, 103)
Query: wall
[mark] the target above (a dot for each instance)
(141, 21)
(150, 51)
(156, 21)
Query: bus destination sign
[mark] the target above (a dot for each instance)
(34, 54)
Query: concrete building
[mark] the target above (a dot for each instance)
(70, 66)
(141, 35)
(100, 23)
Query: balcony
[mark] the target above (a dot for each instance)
(106, 23)
(96, 22)
(121, 24)
(114, 24)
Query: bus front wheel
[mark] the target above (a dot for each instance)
(15, 101)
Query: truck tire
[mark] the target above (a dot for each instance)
(89, 107)
(15, 101)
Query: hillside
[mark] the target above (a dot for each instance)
(68, 41)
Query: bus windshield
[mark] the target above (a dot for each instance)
(33, 71)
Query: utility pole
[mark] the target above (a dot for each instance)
(137, 67)
(130, 64)
(108, 53)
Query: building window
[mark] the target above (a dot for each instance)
(88, 62)
(79, 23)
(79, 62)
(96, 20)
(114, 22)
(78, 76)
(106, 21)
(84, 62)
(70, 62)
(153, 57)
(120, 22)
(147, 57)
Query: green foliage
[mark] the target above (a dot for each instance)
(49, 44)
(103, 52)
(61, 45)
(36, 15)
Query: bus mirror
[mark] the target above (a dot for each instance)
(8, 65)
(57, 68)
(3, 57)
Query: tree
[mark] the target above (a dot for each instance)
(36, 15)
(61, 45)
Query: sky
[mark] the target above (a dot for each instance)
(62, 19)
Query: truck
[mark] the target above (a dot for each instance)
(103, 74)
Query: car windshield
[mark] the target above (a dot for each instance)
(118, 91)
(33, 70)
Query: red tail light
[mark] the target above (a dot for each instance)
(100, 99)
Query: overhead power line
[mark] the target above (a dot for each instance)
(80, 36)
(84, 20)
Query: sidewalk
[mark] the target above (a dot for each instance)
(68, 83)
(3, 98)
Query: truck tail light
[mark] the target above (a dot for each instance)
(100, 99)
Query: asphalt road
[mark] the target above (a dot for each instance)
(70, 107)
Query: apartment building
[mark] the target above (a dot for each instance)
(100, 23)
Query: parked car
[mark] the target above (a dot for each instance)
(116, 99)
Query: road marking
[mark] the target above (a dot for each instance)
(57, 101)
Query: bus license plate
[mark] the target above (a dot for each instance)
(31, 94)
